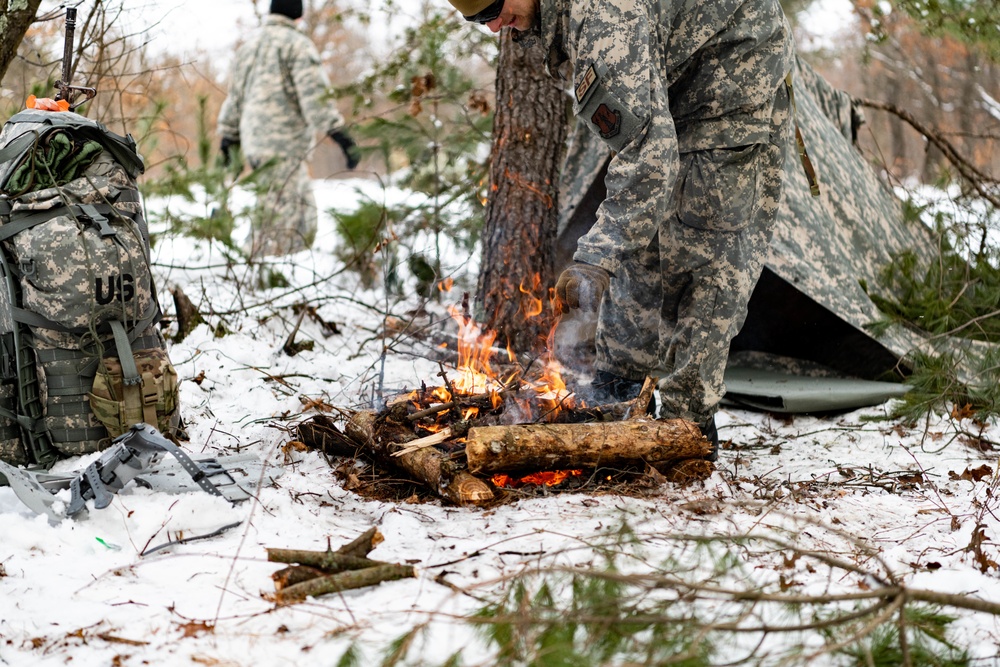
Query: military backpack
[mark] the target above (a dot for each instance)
(81, 357)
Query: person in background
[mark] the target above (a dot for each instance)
(277, 103)
(692, 100)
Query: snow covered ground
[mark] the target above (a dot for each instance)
(80, 593)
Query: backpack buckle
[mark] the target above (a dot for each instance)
(26, 267)
(90, 213)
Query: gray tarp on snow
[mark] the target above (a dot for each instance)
(809, 304)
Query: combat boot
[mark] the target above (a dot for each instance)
(611, 388)
(711, 433)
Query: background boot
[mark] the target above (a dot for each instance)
(711, 433)
(611, 388)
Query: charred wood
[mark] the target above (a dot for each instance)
(381, 438)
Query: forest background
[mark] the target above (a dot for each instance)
(936, 60)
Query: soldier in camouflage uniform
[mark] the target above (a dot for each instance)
(276, 105)
(691, 98)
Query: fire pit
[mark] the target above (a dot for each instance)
(492, 426)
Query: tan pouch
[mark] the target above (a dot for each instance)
(154, 400)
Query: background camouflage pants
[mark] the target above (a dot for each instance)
(673, 310)
(285, 220)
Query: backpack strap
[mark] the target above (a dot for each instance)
(140, 392)
(95, 213)
(800, 143)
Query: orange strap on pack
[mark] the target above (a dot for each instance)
(46, 104)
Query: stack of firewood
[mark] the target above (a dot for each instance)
(315, 573)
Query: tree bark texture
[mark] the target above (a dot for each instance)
(541, 447)
(15, 19)
(429, 466)
(518, 248)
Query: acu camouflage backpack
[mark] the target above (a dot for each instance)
(81, 359)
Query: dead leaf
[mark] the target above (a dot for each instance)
(317, 404)
(292, 446)
(915, 478)
(655, 476)
(963, 412)
(199, 378)
(195, 628)
(972, 474)
(985, 563)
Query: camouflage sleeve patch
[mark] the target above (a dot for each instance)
(608, 116)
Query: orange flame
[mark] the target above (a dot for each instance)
(476, 376)
(531, 305)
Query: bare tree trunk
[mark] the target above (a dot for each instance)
(933, 157)
(518, 249)
(15, 18)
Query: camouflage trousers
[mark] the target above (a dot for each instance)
(285, 219)
(673, 310)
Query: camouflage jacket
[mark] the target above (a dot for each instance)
(277, 98)
(657, 78)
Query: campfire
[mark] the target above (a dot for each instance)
(493, 424)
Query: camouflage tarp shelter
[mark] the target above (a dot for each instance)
(809, 310)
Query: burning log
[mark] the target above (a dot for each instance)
(322, 433)
(534, 447)
(380, 439)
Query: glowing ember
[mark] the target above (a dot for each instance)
(550, 478)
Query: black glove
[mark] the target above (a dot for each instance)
(348, 146)
(582, 286)
(225, 148)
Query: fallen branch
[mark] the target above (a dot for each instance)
(331, 561)
(359, 547)
(343, 581)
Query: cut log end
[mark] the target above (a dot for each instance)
(471, 490)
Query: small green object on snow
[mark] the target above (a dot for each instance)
(113, 547)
